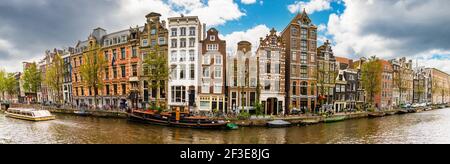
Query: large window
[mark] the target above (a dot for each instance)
(134, 52)
(183, 31)
(304, 72)
(122, 52)
(182, 56)
(123, 70)
(173, 32)
(206, 72)
(183, 43)
(212, 47)
(304, 88)
(218, 72)
(218, 60)
(173, 56)
(115, 89)
(206, 60)
(191, 42)
(217, 88)
(192, 71)
(294, 88)
(268, 68)
(191, 55)
(277, 68)
(267, 85)
(134, 68)
(191, 31)
(144, 42)
(124, 89)
(173, 43)
(205, 86)
(182, 71)
(304, 58)
(294, 56)
(115, 72)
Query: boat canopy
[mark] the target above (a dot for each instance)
(30, 112)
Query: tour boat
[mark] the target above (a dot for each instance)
(29, 114)
(177, 119)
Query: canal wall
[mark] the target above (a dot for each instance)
(71, 111)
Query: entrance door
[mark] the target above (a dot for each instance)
(191, 97)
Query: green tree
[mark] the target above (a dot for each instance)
(400, 83)
(32, 79)
(158, 71)
(11, 84)
(2, 83)
(92, 70)
(371, 78)
(54, 76)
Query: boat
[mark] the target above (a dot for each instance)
(82, 113)
(428, 109)
(310, 121)
(334, 119)
(278, 124)
(176, 119)
(376, 114)
(29, 114)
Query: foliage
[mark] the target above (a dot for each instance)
(31, 79)
(54, 76)
(92, 69)
(371, 77)
(258, 108)
(244, 115)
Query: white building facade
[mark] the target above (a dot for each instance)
(185, 32)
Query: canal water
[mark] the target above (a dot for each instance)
(431, 127)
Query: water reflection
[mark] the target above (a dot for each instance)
(426, 127)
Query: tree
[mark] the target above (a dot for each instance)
(400, 82)
(54, 76)
(11, 85)
(32, 79)
(159, 71)
(92, 70)
(371, 77)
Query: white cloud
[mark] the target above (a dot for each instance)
(322, 27)
(252, 35)
(248, 1)
(311, 6)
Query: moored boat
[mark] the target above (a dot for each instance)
(82, 113)
(177, 119)
(334, 119)
(402, 111)
(376, 114)
(310, 121)
(29, 114)
(392, 112)
(278, 124)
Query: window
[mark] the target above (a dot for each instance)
(134, 52)
(276, 87)
(192, 71)
(134, 68)
(338, 88)
(294, 56)
(269, 55)
(304, 72)
(124, 39)
(115, 89)
(174, 43)
(106, 56)
(182, 71)
(294, 31)
(122, 68)
(205, 86)
(212, 47)
(153, 42)
(191, 55)
(206, 72)
(162, 40)
(114, 54)
(304, 88)
(217, 88)
(178, 94)
(304, 58)
(218, 72)
(174, 56)
(212, 38)
(76, 77)
(115, 72)
(82, 91)
(107, 89)
(182, 43)
(153, 31)
(218, 59)
(174, 32)
(206, 60)
(183, 31)
(267, 85)
(191, 42)
(144, 42)
(122, 52)
(174, 73)
(182, 56)
(205, 104)
(124, 89)
(191, 31)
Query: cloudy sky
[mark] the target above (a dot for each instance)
(416, 29)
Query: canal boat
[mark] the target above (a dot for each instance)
(82, 113)
(402, 111)
(332, 119)
(29, 114)
(278, 124)
(392, 112)
(376, 114)
(177, 119)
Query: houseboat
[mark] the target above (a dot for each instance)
(29, 114)
(177, 119)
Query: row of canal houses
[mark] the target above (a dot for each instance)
(287, 72)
